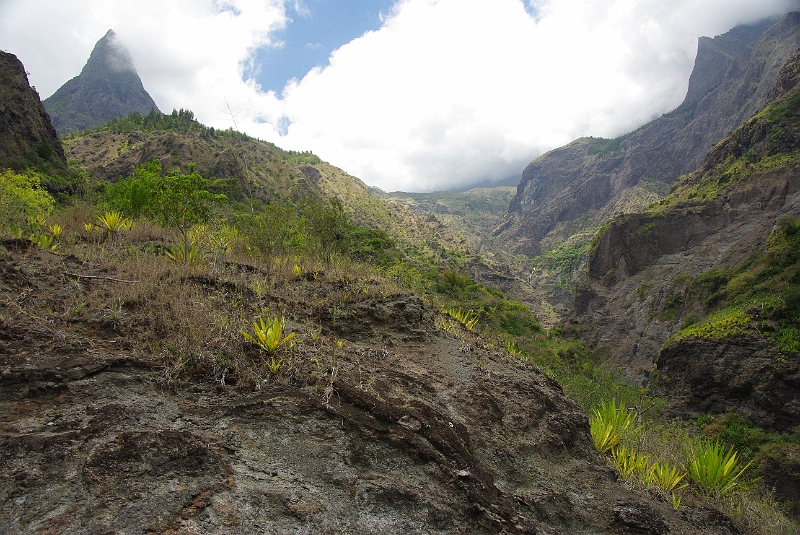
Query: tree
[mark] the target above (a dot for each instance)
(183, 200)
(24, 205)
(135, 195)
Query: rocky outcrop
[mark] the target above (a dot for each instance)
(107, 87)
(413, 431)
(577, 186)
(742, 375)
(27, 138)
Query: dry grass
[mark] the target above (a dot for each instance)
(188, 318)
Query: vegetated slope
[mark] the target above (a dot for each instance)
(474, 214)
(716, 266)
(107, 87)
(27, 138)
(246, 168)
(580, 185)
(131, 403)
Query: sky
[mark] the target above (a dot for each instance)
(407, 95)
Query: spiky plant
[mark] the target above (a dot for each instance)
(609, 423)
(716, 470)
(114, 221)
(268, 335)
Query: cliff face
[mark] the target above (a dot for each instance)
(27, 137)
(580, 185)
(107, 87)
(654, 272)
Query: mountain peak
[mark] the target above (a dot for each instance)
(108, 87)
(113, 54)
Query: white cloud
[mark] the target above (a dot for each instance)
(451, 92)
(448, 93)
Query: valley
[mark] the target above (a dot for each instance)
(203, 332)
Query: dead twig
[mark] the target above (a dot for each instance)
(76, 275)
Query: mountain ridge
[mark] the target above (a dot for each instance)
(27, 137)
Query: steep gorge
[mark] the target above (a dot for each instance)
(647, 269)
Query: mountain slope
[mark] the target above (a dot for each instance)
(716, 265)
(107, 87)
(26, 136)
(577, 186)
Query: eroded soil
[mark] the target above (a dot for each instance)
(408, 429)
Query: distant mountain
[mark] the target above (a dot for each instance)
(582, 184)
(107, 87)
(27, 138)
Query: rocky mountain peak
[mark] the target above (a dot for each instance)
(110, 53)
(108, 87)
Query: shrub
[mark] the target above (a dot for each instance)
(24, 205)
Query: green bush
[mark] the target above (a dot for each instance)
(24, 205)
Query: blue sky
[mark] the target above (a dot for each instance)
(314, 29)
(414, 95)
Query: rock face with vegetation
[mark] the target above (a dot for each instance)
(715, 267)
(271, 349)
(580, 185)
(107, 87)
(27, 138)
(118, 417)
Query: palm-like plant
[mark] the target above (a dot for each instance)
(609, 423)
(268, 335)
(114, 222)
(716, 470)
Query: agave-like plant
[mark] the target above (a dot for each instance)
(45, 241)
(716, 470)
(179, 254)
(268, 335)
(665, 478)
(630, 462)
(604, 434)
(609, 423)
(56, 230)
(114, 222)
(468, 319)
(273, 365)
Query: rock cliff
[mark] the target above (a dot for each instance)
(654, 272)
(107, 87)
(580, 185)
(26, 136)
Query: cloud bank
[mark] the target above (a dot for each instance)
(446, 95)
